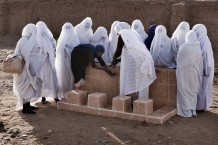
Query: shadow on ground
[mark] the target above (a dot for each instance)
(59, 127)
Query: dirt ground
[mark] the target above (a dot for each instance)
(57, 127)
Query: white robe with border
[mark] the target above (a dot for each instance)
(137, 70)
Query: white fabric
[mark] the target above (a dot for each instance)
(205, 96)
(189, 75)
(63, 59)
(48, 72)
(138, 27)
(161, 48)
(137, 70)
(100, 37)
(113, 39)
(120, 26)
(178, 37)
(144, 94)
(27, 85)
(84, 30)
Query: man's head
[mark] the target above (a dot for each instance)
(99, 50)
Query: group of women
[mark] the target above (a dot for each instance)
(47, 70)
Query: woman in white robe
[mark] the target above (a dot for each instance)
(100, 37)
(66, 42)
(189, 75)
(84, 30)
(113, 38)
(138, 27)
(205, 95)
(48, 72)
(27, 85)
(178, 37)
(161, 49)
(137, 70)
(119, 26)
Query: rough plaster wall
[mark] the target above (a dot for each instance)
(196, 12)
(103, 12)
(15, 14)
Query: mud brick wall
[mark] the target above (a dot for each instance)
(103, 12)
(15, 14)
(194, 12)
(162, 91)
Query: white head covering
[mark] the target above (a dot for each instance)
(48, 73)
(63, 59)
(120, 26)
(100, 37)
(113, 38)
(29, 32)
(46, 41)
(161, 48)
(67, 36)
(191, 38)
(25, 86)
(178, 38)
(138, 27)
(206, 47)
(84, 30)
(205, 96)
(137, 66)
(180, 32)
(189, 75)
(201, 32)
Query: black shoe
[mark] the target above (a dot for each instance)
(34, 108)
(200, 111)
(56, 100)
(27, 109)
(44, 100)
(31, 107)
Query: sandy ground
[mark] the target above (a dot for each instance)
(57, 127)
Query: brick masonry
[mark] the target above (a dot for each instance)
(162, 91)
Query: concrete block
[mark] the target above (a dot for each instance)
(78, 97)
(121, 103)
(161, 115)
(143, 107)
(97, 100)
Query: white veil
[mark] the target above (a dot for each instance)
(100, 37)
(26, 86)
(63, 59)
(45, 38)
(113, 39)
(138, 27)
(178, 37)
(120, 26)
(84, 30)
(180, 32)
(137, 70)
(205, 96)
(161, 48)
